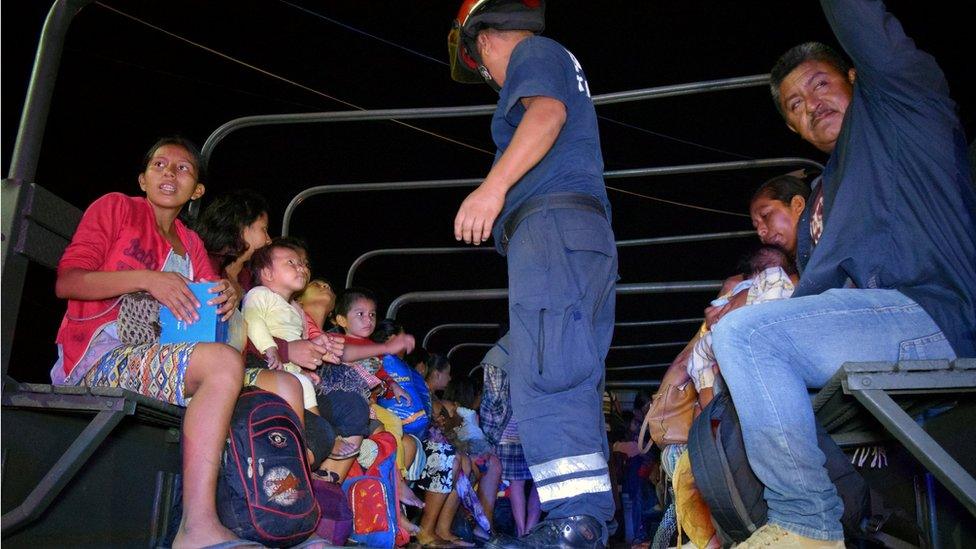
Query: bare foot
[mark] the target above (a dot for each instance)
(195, 535)
(408, 526)
(453, 540)
(408, 497)
(429, 538)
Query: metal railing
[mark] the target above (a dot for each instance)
(639, 367)
(502, 293)
(702, 237)
(489, 326)
(673, 90)
(23, 164)
(473, 182)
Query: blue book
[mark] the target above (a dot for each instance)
(208, 329)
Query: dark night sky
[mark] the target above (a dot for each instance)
(122, 84)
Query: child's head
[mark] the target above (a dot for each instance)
(235, 225)
(299, 246)
(385, 329)
(766, 257)
(417, 359)
(465, 391)
(280, 267)
(438, 372)
(318, 292)
(172, 173)
(356, 312)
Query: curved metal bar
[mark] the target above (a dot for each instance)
(632, 384)
(713, 167)
(231, 126)
(639, 367)
(462, 249)
(502, 293)
(658, 322)
(473, 110)
(356, 187)
(647, 345)
(472, 182)
(683, 89)
(484, 326)
(457, 325)
(702, 237)
(37, 103)
(612, 348)
(464, 345)
(15, 188)
(409, 251)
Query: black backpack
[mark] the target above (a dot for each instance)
(264, 489)
(732, 491)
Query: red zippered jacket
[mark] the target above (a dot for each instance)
(117, 233)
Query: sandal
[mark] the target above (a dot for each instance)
(347, 450)
(432, 541)
(458, 542)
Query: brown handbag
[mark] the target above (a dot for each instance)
(669, 417)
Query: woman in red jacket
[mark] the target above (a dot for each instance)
(128, 244)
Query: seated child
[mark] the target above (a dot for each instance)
(471, 440)
(270, 311)
(769, 274)
(356, 315)
(468, 435)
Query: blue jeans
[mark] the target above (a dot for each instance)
(769, 354)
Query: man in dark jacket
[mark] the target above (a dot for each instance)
(889, 248)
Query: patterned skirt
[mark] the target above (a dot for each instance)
(437, 475)
(514, 466)
(152, 369)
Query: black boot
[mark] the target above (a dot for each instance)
(577, 531)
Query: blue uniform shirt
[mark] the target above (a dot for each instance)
(541, 67)
(899, 207)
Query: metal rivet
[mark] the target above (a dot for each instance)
(866, 382)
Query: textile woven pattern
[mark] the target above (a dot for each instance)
(138, 321)
(153, 370)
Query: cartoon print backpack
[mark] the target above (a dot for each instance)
(264, 489)
(413, 416)
(372, 494)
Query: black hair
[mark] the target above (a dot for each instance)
(782, 188)
(761, 258)
(436, 362)
(415, 357)
(462, 390)
(263, 258)
(222, 223)
(385, 329)
(797, 55)
(179, 141)
(350, 296)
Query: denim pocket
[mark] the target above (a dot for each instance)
(930, 347)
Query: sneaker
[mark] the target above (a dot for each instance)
(581, 531)
(773, 535)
